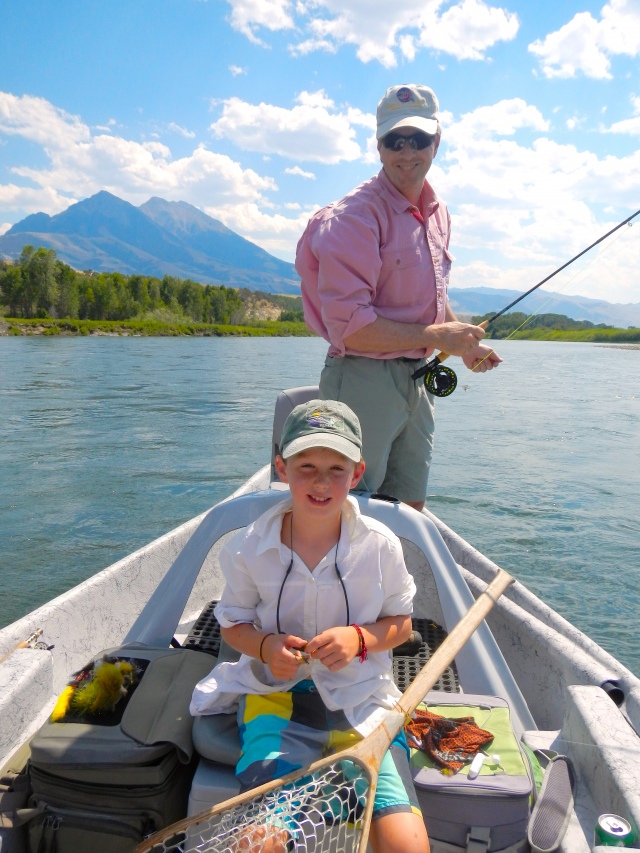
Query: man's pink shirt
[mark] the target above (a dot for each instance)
(369, 256)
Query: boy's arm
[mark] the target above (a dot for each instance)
(337, 647)
(387, 633)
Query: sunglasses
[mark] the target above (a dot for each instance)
(418, 141)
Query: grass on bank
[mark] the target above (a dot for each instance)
(154, 328)
(180, 326)
(596, 336)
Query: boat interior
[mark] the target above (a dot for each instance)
(494, 669)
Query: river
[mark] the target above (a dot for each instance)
(108, 442)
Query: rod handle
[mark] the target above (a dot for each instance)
(441, 356)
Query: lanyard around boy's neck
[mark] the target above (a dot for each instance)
(288, 572)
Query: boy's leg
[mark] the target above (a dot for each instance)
(273, 744)
(402, 832)
(397, 825)
(274, 740)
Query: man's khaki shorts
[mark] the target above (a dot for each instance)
(396, 414)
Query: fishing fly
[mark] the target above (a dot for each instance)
(440, 380)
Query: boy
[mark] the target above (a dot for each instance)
(316, 596)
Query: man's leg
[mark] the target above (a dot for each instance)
(368, 386)
(410, 455)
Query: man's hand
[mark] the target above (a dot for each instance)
(456, 338)
(482, 359)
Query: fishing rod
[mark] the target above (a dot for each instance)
(441, 380)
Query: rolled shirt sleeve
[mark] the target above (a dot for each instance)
(348, 252)
(240, 596)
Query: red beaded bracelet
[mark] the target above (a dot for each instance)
(362, 651)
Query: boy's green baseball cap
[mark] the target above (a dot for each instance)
(322, 423)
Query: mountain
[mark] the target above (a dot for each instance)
(106, 234)
(474, 301)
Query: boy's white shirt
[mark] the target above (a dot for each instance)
(254, 562)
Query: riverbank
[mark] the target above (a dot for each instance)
(152, 328)
(262, 329)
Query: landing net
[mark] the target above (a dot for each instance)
(317, 813)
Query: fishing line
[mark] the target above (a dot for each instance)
(560, 290)
(441, 380)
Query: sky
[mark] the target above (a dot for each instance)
(259, 112)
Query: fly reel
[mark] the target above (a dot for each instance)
(441, 381)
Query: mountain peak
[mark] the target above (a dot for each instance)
(182, 216)
(108, 234)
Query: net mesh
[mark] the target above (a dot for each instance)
(318, 813)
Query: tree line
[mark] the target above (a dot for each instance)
(39, 285)
(506, 325)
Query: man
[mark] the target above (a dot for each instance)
(375, 271)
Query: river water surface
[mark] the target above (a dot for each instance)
(107, 443)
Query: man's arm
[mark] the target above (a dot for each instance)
(453, 337)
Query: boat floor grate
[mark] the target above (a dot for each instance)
(205, 637)
(405, 669)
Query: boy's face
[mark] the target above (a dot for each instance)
(319, 479)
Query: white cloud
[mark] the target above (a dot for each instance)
(602, 274)
(81, 163)
(23, 200)
(182, 131)
(236, 70)
(630, 126)
(521, 207)
(379, 30)
(296, 170)
(468, 29)
(39, 121)
(586, 45)
(501, 119)
(314, 130)
(4, 227)
(248, 15)
(274, 232)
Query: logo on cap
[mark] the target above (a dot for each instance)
(322, 420)
(405, 95)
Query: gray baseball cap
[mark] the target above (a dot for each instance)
(409, 105)
(322, 423)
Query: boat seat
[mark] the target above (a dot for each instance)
(215, 736)
(285, 404)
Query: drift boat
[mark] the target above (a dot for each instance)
(563, 697)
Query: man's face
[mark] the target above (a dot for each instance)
(407, 169)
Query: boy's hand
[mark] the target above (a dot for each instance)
(279, 653)
(335, 648)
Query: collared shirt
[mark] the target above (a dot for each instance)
(254, 563)
(369, 256)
